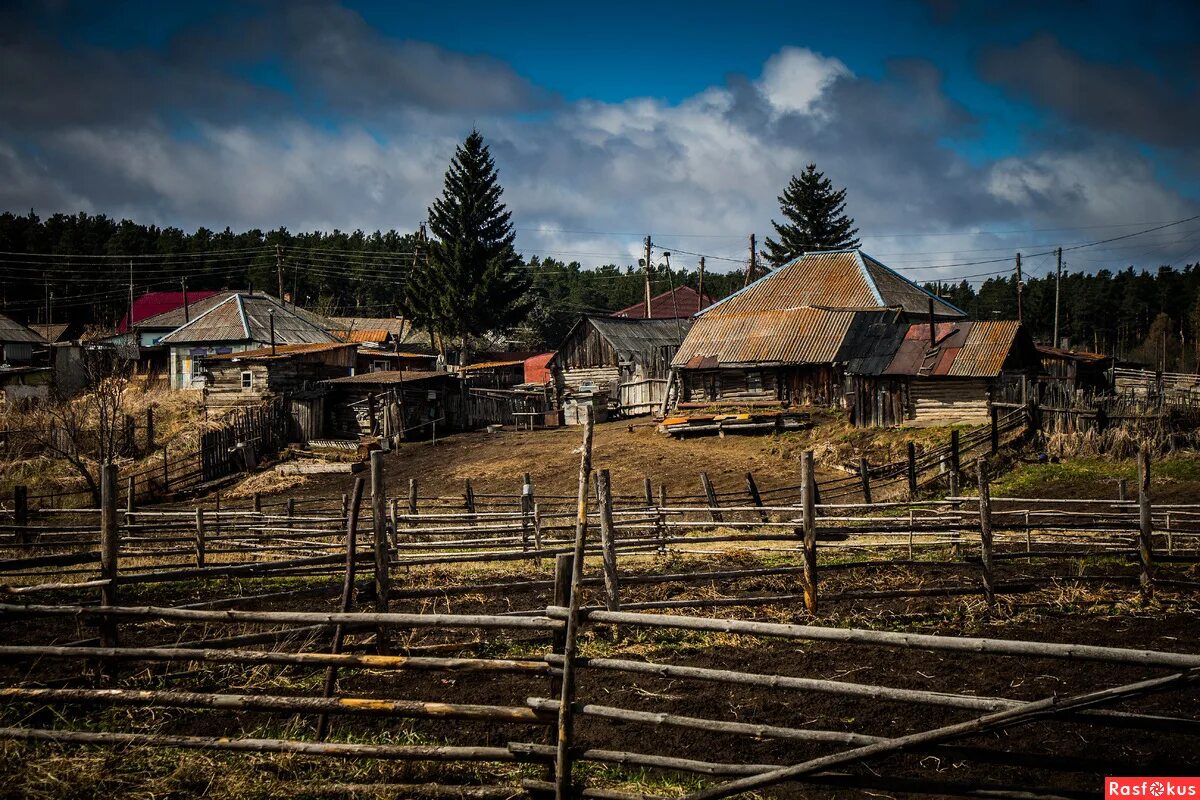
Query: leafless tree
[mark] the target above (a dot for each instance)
(87, 431)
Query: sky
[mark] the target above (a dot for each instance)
(963, 132)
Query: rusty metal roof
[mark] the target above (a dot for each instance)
(386, 378)
(280, 352)
(961, 349)
(838, 279)
(375, 335)
(790, 336)
(247, 317)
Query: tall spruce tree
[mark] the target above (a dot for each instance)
(814, 219)
(468, 280)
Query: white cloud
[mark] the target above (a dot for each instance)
(794, 79)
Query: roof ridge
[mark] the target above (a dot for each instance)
(913, 283)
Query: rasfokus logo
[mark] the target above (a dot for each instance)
(1152, 787)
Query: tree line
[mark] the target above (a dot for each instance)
(467, 279)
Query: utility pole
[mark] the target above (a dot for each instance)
(46, 286)
(187, 316)
(279, 269)
(1057, 287)
(753, 262)
(649, 244)
(129, 327)
(700, 290)
(1020, 291)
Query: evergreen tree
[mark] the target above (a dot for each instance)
(469, 280)
(814, 219)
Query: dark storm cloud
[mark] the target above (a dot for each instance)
(334, 52)
(1125, 98)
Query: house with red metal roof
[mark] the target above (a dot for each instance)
(679, 303)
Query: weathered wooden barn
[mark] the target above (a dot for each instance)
(19, 345)
(840, 329)
(397, 404)
(788, 357)
(628, 359)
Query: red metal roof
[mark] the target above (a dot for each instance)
(151, 304)
(683, 303)
(536, 369)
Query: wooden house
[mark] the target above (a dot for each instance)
(626, 359)
(238, 322)
(682, 302)
(250, 377)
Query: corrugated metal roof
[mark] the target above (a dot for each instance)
(159, 304)
(790, 336)
(52, 332)
(386, 378)
(281, 351)
(13, 331)
(986, 349)
(683, 302)
(520, 362)
(377, 335)
(630, 337)
(247, 317)
(537, 369)
(961, 349)
(840, 279)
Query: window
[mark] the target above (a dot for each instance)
(247, 380)
(754, 382)
(379, 366)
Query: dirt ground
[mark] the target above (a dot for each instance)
(496, 462)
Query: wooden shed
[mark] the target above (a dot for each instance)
(627, 359)
(250, 377)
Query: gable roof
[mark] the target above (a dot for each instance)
(171, 318)
(684, 301)
(804, 335)
(13, 331)
(245, 317)
(834, 279)
(53, 332)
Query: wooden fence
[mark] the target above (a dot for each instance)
(551, 704)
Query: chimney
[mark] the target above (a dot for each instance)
(932, 325)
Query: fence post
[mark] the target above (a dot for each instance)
(412, 501)
(382, 560)
(1123, 489)
(167, 472)
(110, 551)
(608, 543)
(648, 490)
(199, 536)
(985, 532)
(1145, 525)
(564, 566)
(566, 711)
(350, 517)
(537, 534)
(130, 492)
(995, 412)
(661, 524)
(808, 485)
(392, 528)
(291, 511)
(912, 471)
(469, 500)
(21, 513)
(257, 503)
(956, 537)
(526, 512)
(711, 494)
(864, 476)
(755, 497)
(955, 457)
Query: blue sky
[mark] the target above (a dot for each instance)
(961, 130)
